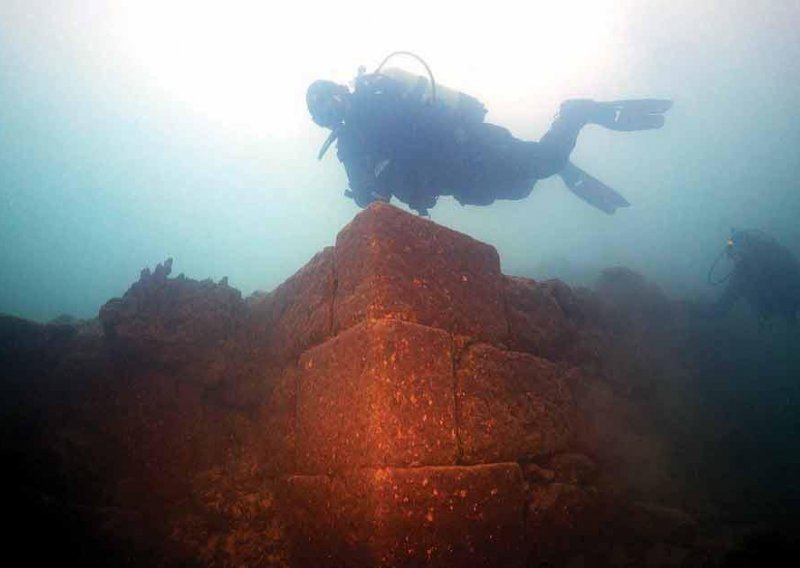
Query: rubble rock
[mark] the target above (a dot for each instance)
(175, 323)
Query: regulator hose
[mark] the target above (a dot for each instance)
(736, 235)
(418, 58)
(714, 266)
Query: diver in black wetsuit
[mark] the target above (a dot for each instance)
(765, 274)
(397, 139)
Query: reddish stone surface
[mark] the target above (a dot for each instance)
(390, 264)
(169, 438)
(378, 394)
(431, 516)
(297, 314)
(177, 324)
(160, 429)
(272, 441)
(539, 317)
(511, 406)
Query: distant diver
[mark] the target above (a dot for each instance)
(400, 135)
(765, 274)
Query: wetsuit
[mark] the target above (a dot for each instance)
(395, 145)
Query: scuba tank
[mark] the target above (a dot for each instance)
(465, 108)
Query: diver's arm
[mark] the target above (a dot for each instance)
(374, 118)
(360, 166)
(361, 179)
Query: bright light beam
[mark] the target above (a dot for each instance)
(247, 65)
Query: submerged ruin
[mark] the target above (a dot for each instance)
(397, 402)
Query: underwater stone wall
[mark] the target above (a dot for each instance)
(383, 336)
(417, 430)
(398, 401)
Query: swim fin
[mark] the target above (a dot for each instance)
(591, 190)
(634, 114)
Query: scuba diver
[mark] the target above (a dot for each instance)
(400, 135)
(765, 274)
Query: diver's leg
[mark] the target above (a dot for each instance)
(491, 165)
(557, 144)
(551, 153)
(591, 190)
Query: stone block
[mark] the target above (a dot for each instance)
(431, 516)
(391, 264)
(378, 394)
(511, 406)
(271, 442)
(296, 314)
(538, 322)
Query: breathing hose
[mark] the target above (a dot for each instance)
(418, 58)
(714, 266)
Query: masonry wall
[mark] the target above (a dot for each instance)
(398, 401)
(440, 408)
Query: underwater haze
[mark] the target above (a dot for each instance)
(134, 132)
